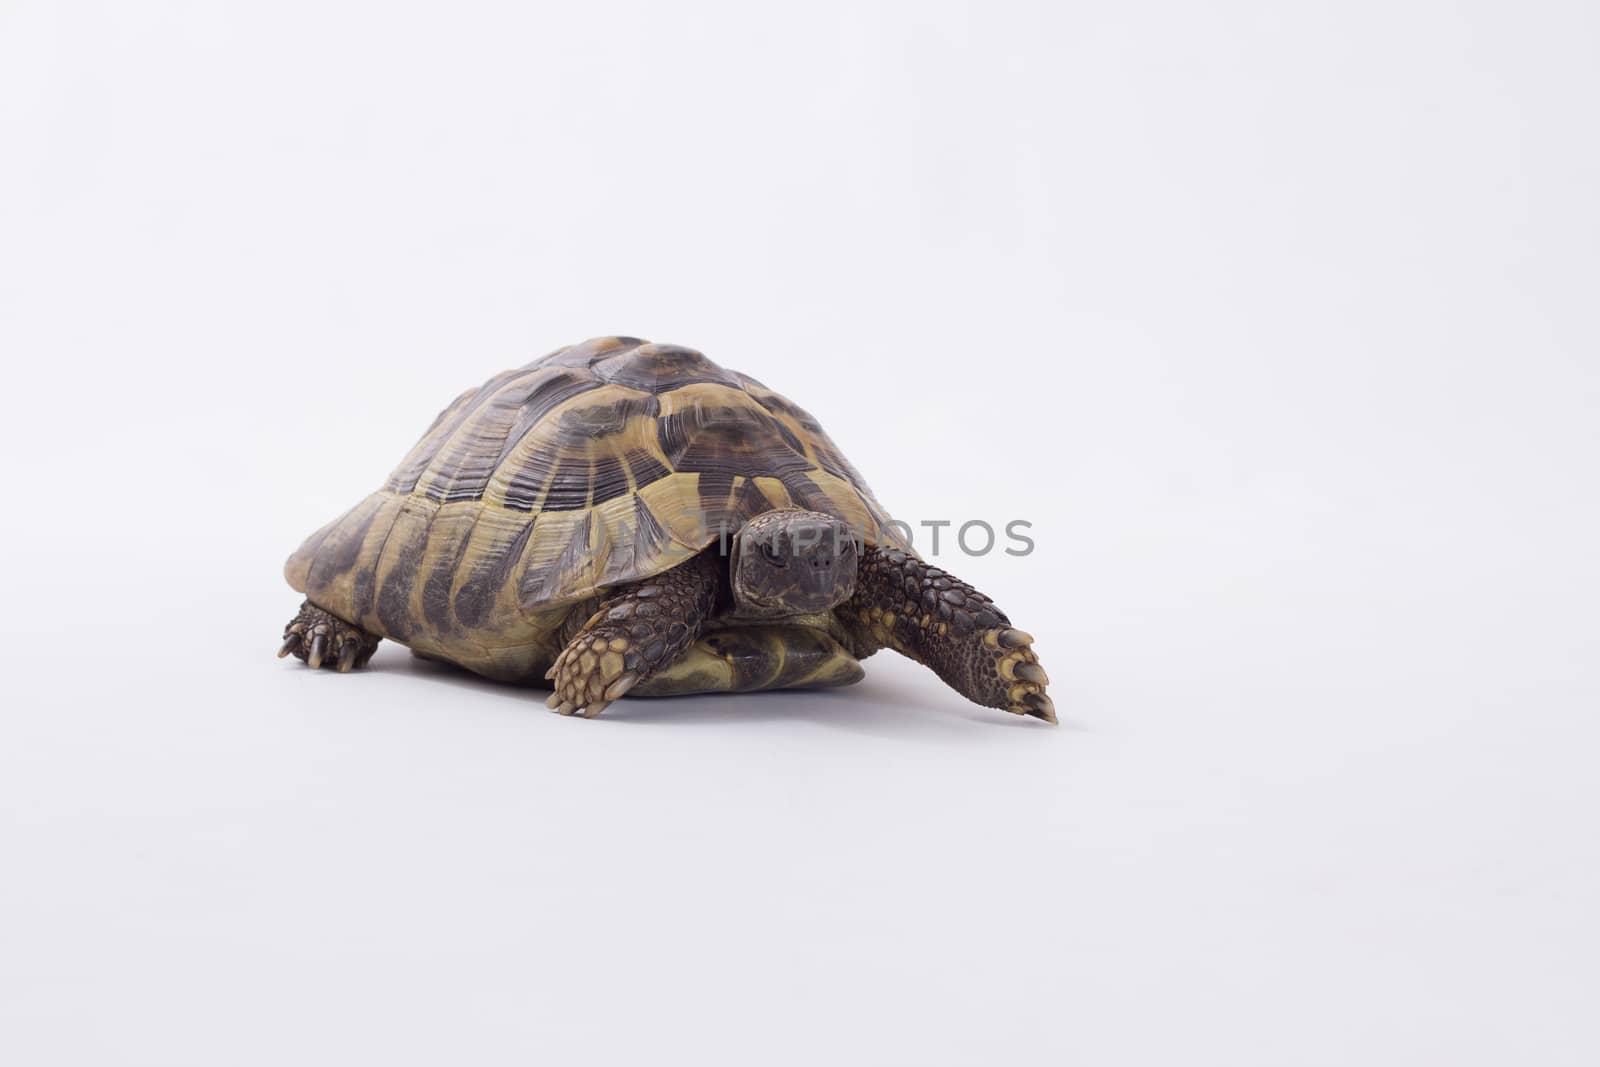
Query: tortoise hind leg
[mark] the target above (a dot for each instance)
(323, 640)
(746, 659)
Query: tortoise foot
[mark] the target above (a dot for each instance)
(1020, 676)
(322, 640)
(591, 672)
(935, 618)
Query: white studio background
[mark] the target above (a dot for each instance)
(1276, 321)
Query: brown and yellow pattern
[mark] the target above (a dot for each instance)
(601, 464)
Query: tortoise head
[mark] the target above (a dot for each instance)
(793, 563)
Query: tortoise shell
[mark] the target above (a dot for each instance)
(601, 464)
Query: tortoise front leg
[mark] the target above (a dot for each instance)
(638, 630)
(940, 621)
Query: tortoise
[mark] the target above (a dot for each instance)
(621, 517)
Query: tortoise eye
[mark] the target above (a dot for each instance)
(770, 553)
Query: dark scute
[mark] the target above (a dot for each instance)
(643, 540)
(586, 353)
(436, 594)
(528, 481)
(404, 478)
(476, 448)
(604, 420)
(674, 433)
(547, 395)
(781, 406)
(648, 533)
(340, 550)
(569, 491)
(647, 469)
(394, 599)
(539, 584)
(751, 501)
(731, 440)
(477, 594)
(788, 436)
(715, 486)
(831, 461)
(362, 591)
(609, 478)
(473, 601)
(454, 492)
(659, 368)
(723, 517)
(806, 493)
(399, 557)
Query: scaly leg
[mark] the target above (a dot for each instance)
(323, 640)
(638, 630)
(942, 622)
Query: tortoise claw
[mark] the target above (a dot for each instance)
(621, 686)
(323, 640)
(1015, 638)
(1032, 672)
(1040, 707)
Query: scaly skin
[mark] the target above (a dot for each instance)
(942, 622)
(638, 630)
(323, 640)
